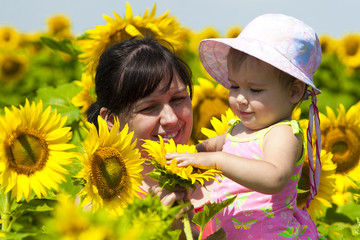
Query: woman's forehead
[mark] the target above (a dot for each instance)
(162, 89)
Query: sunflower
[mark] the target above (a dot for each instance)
(341, 137)
(70, 222)
(296, 114)
(348, 50)
(59, 26)
(194, 41)
(209, 101)
(208, 32)
(341, 196)
(33, 150)
(233, 32)
(118, 29)
(9, 38)
(87, 95)
(326, 186)
(68, 218)
(328, 44)
(220, 126)
(112, 168)
(13, 66)
(31, 43)
(170, 175)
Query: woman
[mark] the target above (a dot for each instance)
(146, 86)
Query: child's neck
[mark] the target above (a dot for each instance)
(240, 130)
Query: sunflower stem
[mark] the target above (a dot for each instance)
(78, 131)
(187, 228)
(5, 216)
(200, 234)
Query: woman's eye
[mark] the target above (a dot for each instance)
(147, 109)
(178, 99)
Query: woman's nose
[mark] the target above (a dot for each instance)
(168, 116)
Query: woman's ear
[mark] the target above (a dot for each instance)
(109, 118)
(297, 91)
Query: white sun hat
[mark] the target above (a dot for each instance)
(282, 41)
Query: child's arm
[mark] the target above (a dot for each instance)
(281, 151)
(213, 144)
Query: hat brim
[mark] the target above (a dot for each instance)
(213, 55)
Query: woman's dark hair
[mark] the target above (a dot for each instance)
(131, 70)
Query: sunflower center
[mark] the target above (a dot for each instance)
(27, 152)
(352, 48)
(345, 145)
(304, 184)
(339, 148)
(7, 36)
(118, 36)
(109, 172)
(202, 115)
(11, 67)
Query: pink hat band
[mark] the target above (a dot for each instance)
(282, 41)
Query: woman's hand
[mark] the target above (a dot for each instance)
(170, 198)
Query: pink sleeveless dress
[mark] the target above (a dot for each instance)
(255, 215)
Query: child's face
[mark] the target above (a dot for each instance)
(257, 96)
(168, 114)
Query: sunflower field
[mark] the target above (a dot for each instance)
(52, 161)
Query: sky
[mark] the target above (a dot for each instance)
(333, 17)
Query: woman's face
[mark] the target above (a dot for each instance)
(168, 114)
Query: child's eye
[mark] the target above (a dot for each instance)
(234, 87)
(256, 90)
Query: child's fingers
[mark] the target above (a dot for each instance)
(173, 155)
(178, 156)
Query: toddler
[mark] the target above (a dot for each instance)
(269, 70)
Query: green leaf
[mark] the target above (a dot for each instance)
(78, 181)
(302, 191)
(34, 205)
(218, 235)
(168, 180)
(65, 46)
(84, 36)
(12, 235)
(356, 182)
(341, 231)
(351, 210)
(60, 98)
(175, 234)
(209, 211)
(334, 215)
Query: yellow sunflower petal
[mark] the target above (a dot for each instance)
(30, 152)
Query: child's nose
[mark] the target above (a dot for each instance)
(241, 99)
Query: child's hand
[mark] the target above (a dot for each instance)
(199, 160)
